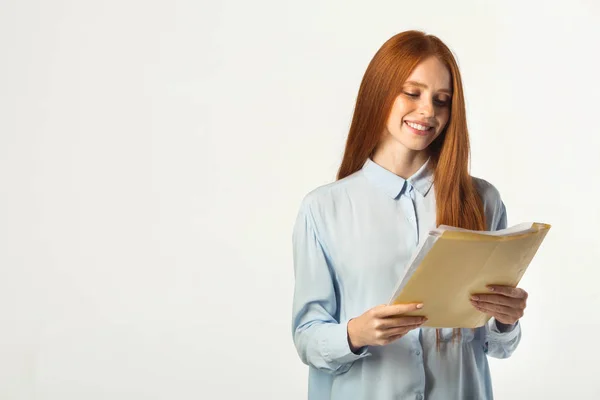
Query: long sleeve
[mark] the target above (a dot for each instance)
(321, 339)
(501, 343)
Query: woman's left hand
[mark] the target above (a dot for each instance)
(506, 304)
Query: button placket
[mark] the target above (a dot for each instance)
(412, 211)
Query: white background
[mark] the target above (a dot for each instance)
(153, 155)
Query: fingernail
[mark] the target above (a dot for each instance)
(474, 297)
(419, 305)
(491, 288)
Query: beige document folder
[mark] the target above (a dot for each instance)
(452, 264)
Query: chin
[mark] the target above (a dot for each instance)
(417, 148)
(415, 144)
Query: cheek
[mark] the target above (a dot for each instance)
(444, 117)
(394, 121)
(400, 109)
(443, 123)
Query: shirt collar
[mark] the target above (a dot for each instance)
(392, 184)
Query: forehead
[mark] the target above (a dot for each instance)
(432, 73)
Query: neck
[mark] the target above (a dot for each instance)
(401, 161)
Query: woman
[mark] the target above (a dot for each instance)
(404, 171)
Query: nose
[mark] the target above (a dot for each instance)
(426, 107)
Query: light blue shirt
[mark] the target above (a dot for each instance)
(351, 242)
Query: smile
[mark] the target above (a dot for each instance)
(419, 130)
(418, 127)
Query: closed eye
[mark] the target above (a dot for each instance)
(440, 103)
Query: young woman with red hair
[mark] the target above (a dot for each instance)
(404, 172)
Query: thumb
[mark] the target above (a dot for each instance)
(396, 309)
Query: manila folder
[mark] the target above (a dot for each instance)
(452, 264)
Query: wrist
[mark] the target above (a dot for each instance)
(353, 342)
(502, 327)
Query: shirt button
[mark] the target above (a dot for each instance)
(419, 396)
(418, 352)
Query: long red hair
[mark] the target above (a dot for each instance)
(457, 200)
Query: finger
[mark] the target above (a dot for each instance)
(394, 338)
(504, 318)
(396, 309)
(509, 291)
(498, 309)
(394, 322)
(500, 299)
(492, 308)
(401, 330)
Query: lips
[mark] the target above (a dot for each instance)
(425, 124)
(418, 131)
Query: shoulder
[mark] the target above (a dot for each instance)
(326, 197)
(488, 192)
(493, 205)
(320, 204)
(327, 204)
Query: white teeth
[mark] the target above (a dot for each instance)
(417, 126)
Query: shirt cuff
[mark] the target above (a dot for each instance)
(503, 328)
(335, 346)
(496, 334)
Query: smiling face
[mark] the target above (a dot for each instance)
(421, 111)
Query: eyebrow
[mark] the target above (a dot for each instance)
(422, 85)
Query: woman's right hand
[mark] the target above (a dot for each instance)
(382, 325)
